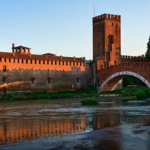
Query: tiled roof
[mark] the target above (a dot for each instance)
(38, 57)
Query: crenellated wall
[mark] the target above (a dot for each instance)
(133, 58)
(19, 72)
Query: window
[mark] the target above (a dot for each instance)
(90, 80)
(4, 79)
(10, 60)
(51, 62)
(39, 61)
(98, 47)
(112, 24)
(4, 68)
(32, 82)
(26, 61)
(43, 61)
(35, 61)
(98, 81)
(18, 60)
(49, 80)
(31, 61)
(22, 61)
(59, 62)
(55, 62)
(48, 62)
(78, 80)
(5, 59)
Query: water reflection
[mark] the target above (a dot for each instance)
(20, 129)
(108, 126)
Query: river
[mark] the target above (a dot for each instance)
(64, 124)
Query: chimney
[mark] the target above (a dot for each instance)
(13, 45)
(13, 53)
(46, 55)
(61, 57)
(74, 58)
(29, 54)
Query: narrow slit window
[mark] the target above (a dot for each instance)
(49, 80)
(4, 68)
(78, 80)
(4, 79)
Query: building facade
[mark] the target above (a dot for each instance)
(22, 71)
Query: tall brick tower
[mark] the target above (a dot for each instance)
(107, 40)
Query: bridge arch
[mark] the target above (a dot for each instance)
(110, 82)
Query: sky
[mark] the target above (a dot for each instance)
(64, 27)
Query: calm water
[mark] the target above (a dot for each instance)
(66, 125)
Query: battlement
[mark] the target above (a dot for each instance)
(133, 58)
(107, 17)
(125, 66)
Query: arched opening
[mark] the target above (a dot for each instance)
(114, 81)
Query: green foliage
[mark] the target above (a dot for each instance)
(88, 91)
(130, 80)
(148, 51)
(141, 95)
(45, 91)
(89, 101)
(129, 98)
(147, 91)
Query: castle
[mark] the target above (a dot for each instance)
(20, 70)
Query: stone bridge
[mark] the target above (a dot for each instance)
(111, 77)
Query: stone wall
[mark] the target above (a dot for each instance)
(28, 77)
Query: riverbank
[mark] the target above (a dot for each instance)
(81, 93)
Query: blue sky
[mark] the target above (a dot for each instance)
(64, 27)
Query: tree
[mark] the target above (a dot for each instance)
(147, 55)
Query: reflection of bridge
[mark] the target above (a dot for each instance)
(110, 76)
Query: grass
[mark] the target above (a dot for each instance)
(89, 101)
(88, 91)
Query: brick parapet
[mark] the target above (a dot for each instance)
(125, 58)
(106, 17)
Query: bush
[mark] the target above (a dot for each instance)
(125, 99)
(147, 91)
(129, 98)
(141, 95)
(89, 101)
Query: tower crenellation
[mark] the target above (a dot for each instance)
(107, 17)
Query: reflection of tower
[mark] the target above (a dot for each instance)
(107, 39)
(107, 120)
